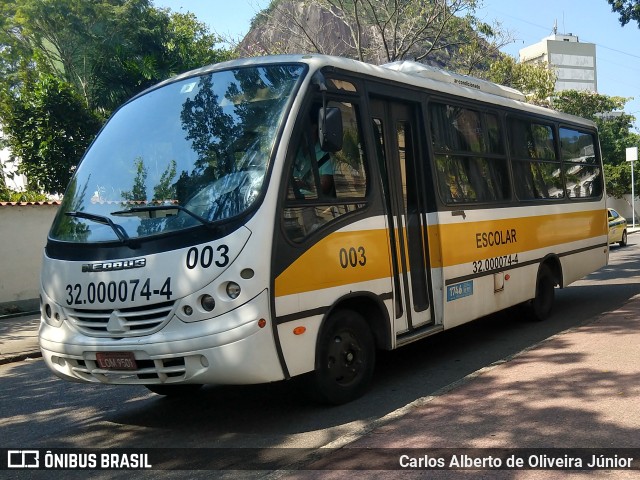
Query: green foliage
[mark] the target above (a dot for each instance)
(48, 128)
(628, 10)
(165, 190)
(536, 81)
(8, 195)
(138, 192)
(65, 65)
(190, 45)
(586, 104)
(618, 178)
(109, 50)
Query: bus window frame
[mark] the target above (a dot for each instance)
(596, 153)
(482, 110)
(312, 96)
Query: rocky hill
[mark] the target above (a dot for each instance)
(293, 26)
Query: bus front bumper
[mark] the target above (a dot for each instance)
(231, 349)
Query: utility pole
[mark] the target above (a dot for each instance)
(632, 156)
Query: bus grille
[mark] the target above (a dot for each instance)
(124, 322)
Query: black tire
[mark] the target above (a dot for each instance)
(181, 390)
(623, 240)
(345, 359)
(542, 304)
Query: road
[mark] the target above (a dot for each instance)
(41, 411)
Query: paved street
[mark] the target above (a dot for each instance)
(575, 385)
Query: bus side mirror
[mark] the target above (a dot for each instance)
(330, 129)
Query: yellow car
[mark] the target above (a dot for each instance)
(617, 228)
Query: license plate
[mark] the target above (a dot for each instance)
(116, 360)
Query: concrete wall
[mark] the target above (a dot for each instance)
(623, 206)
(23, 235)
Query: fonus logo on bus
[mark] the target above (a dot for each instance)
(113, 266)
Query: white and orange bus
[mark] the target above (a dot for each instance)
(265, 218)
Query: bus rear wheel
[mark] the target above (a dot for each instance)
(541, 305)
(345, 359)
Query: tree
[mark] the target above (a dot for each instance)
(587, 104)
(48, 129)
(108, 50)
(66, 64)
(628, 10)
(618, 179)
(375, 31)
(535, 80)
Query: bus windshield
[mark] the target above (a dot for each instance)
(189, 153)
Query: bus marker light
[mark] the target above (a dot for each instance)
(262, 323)
(507, 276)
(299, 330)
(187, 310)
(247, 273)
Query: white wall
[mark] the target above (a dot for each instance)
(623, 206)
(23, 235)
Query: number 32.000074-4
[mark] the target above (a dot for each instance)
(495, 263)
(122, 291)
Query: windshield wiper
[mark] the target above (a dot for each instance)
(153, 208)
(118, 229)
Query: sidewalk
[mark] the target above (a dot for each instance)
(19, 338)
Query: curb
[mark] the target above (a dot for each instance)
(20, 357)
(18, 314)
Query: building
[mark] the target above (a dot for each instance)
(573, 61)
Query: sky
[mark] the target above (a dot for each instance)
(528, 21)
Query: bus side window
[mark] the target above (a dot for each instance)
(580, 166)
(469, 156)
(537, 172)
(323, 186)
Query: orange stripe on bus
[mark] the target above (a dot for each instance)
(345, 258)
(468, 242)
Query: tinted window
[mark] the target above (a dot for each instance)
(324, 186)
(470, 161)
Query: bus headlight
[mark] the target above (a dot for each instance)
(233, 290)
(51, 315)
(208, 302)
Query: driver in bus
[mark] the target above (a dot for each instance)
(310, 152)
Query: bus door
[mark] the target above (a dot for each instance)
(400, 157)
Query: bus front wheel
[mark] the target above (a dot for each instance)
(345, 359)
(540, 306)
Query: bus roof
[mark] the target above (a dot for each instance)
(405, 72)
